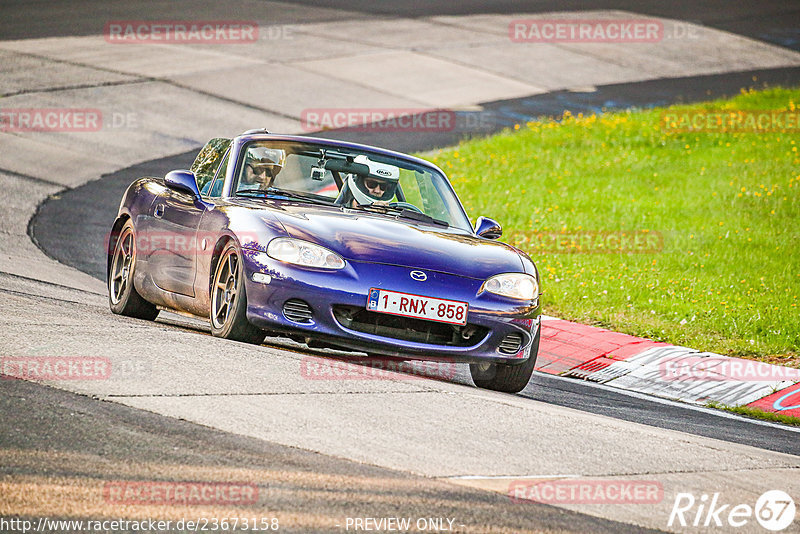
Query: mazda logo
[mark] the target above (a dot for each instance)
(419, 276)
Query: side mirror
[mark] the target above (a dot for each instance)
(488, 228)
(183, 181)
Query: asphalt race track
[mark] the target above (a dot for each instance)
(89, 210)
(196, 408)
(133, 437)
(773, 21)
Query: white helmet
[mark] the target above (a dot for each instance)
(272, 159)
(381, 176)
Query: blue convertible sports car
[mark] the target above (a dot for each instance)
(331, 243)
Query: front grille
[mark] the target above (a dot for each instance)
(510, 344)
(298, 311)
(408, 328)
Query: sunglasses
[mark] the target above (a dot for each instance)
(259, 169)
(376, 184)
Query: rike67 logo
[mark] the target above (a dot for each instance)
(774, 510)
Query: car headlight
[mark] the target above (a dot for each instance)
(513, 285)
(303, 253)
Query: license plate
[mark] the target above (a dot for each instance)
(408, 305)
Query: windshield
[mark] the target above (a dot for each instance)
(355, 179)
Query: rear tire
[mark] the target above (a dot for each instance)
(229, 300)
(506, 377)
(123, 299)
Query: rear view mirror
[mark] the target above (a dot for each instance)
(348, 167)
(183, 181)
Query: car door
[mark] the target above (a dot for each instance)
(172, 241)
(173, 237)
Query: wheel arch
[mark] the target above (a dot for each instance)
(113, 236)
(219, 246)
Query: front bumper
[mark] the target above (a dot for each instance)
(492, 318)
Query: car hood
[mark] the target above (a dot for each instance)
(368, 237)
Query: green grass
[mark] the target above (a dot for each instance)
(755, 413)
(725, 204)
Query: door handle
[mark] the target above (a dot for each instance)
(159, 211)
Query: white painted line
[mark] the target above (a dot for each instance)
(711, 411)
(507, 477)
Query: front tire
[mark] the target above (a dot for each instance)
(123, 299)
(506, 377)
(229, 300)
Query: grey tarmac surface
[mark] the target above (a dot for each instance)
(54, 436)
(774, 21)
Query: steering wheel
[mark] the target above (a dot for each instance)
(406, 205)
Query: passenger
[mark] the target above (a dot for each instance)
(379, 185)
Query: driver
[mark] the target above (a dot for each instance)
(379, 185)
(261, 165)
